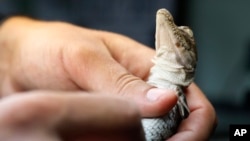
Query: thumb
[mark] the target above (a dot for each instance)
(151, 101)
(99, 72)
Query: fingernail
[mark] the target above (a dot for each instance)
(155, 93)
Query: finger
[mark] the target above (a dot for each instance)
(72, 115)
(93, 69)
(125, 49)
(202, 119)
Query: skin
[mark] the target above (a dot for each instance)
(47, 64)
(53, 116)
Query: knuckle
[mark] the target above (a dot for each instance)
(126, 82)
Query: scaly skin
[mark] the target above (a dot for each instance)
(175, 63)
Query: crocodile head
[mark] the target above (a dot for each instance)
(175, 43)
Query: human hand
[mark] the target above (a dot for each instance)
(68, 116)
(61, 56)
(201, 121)
(55, 116)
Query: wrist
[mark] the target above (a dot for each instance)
(7, 40)
(4, 56)
(15, 35)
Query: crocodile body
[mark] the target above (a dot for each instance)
(174, 68)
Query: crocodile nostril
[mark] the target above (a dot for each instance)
(177, 44)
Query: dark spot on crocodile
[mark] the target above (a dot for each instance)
(178, 44)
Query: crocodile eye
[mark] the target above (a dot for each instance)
(187, 30)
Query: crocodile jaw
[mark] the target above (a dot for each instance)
(178, 43)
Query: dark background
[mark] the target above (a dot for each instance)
(221, 30)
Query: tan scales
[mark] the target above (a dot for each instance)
(174, 68)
